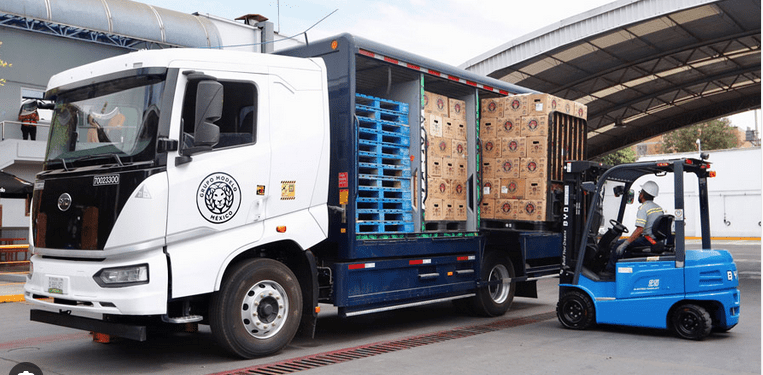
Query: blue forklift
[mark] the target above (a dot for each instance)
(665, 286)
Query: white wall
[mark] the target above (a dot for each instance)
(734, 195)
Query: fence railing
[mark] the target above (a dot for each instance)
(12, 130)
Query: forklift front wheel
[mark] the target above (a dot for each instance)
(691, 322)
(575, 310)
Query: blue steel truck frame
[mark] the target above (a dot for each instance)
(368, 264)
(661, 286)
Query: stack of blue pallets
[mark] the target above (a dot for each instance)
(384, 167)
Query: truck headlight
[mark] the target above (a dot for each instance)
(122, 276)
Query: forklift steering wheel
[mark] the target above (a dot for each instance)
(618, 227)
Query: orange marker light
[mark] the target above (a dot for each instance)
(281, 229)
(711, 173)
(334, 44)
(317, 309)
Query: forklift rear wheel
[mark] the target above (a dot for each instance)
(496, 299)
(575, 310)
(257, 310)
(691, 322)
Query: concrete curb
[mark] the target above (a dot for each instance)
(13, 277)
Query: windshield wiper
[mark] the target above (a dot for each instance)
(101, 156)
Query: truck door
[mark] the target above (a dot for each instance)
(217, 198)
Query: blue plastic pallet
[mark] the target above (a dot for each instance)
(384, 215)
(365, 171)
(385, 126)
(374, 102)
(383, 227)
(384, 137)
(368, 161)
(384, 182)
(382, 194)
(383, 204)
(380, 114)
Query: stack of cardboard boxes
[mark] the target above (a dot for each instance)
(446, 158)
(515, 135)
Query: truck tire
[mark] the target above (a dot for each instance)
(691, 322)
(575, 310)
(257, 310)
(495, 300)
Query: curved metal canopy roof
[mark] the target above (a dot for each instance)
(643, 67)
(122, 23)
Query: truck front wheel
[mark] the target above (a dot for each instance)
(495, 299)
(257, 310)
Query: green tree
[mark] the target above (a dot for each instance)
(3, 64)
(714, 135)
(622, 156)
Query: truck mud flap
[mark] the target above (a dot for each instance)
(132, 332)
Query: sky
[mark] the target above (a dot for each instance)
(451, 31)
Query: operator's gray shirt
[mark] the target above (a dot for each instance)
(646, 216)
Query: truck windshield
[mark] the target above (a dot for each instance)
(106, 123)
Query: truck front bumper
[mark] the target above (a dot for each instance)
(70, 286)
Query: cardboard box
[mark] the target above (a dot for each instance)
(487, 208)
(535, 189)
(458, 190)
(488, 167)
(533, 168)
(513, 147)
(460, 214)
(491, 188)
(509, 127)
(491, 147)
(438, 188)
(440, 147)
(537, 147)
(565, 106)
(581, 111)
(434, 209)
(534, 126)
(515, 106)
(488, 127)
(512, 188)
(461, 170)
(508, 168)
(457, 108)
(492, 107)
(434, 125)
(436, 104)
(459, 129)
(561, 105)
(448, 168)
(459, 148)
(506, 209)
(447, 128)
(450, 209)
(539, 104)
(531, 210)
(434, 166)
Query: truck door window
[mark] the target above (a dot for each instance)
(238, 122)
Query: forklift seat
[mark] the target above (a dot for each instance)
(662, 233)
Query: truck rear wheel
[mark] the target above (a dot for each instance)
(495, 300)
(257, 310)
(691, 322)
(575, 310)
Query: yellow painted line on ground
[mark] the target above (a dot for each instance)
(12, 298)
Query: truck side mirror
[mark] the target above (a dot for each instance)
(209, 108)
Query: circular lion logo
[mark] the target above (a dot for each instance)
(218, 198)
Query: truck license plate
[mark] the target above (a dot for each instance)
(57, 285)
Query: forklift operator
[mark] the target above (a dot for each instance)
(647, 214)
